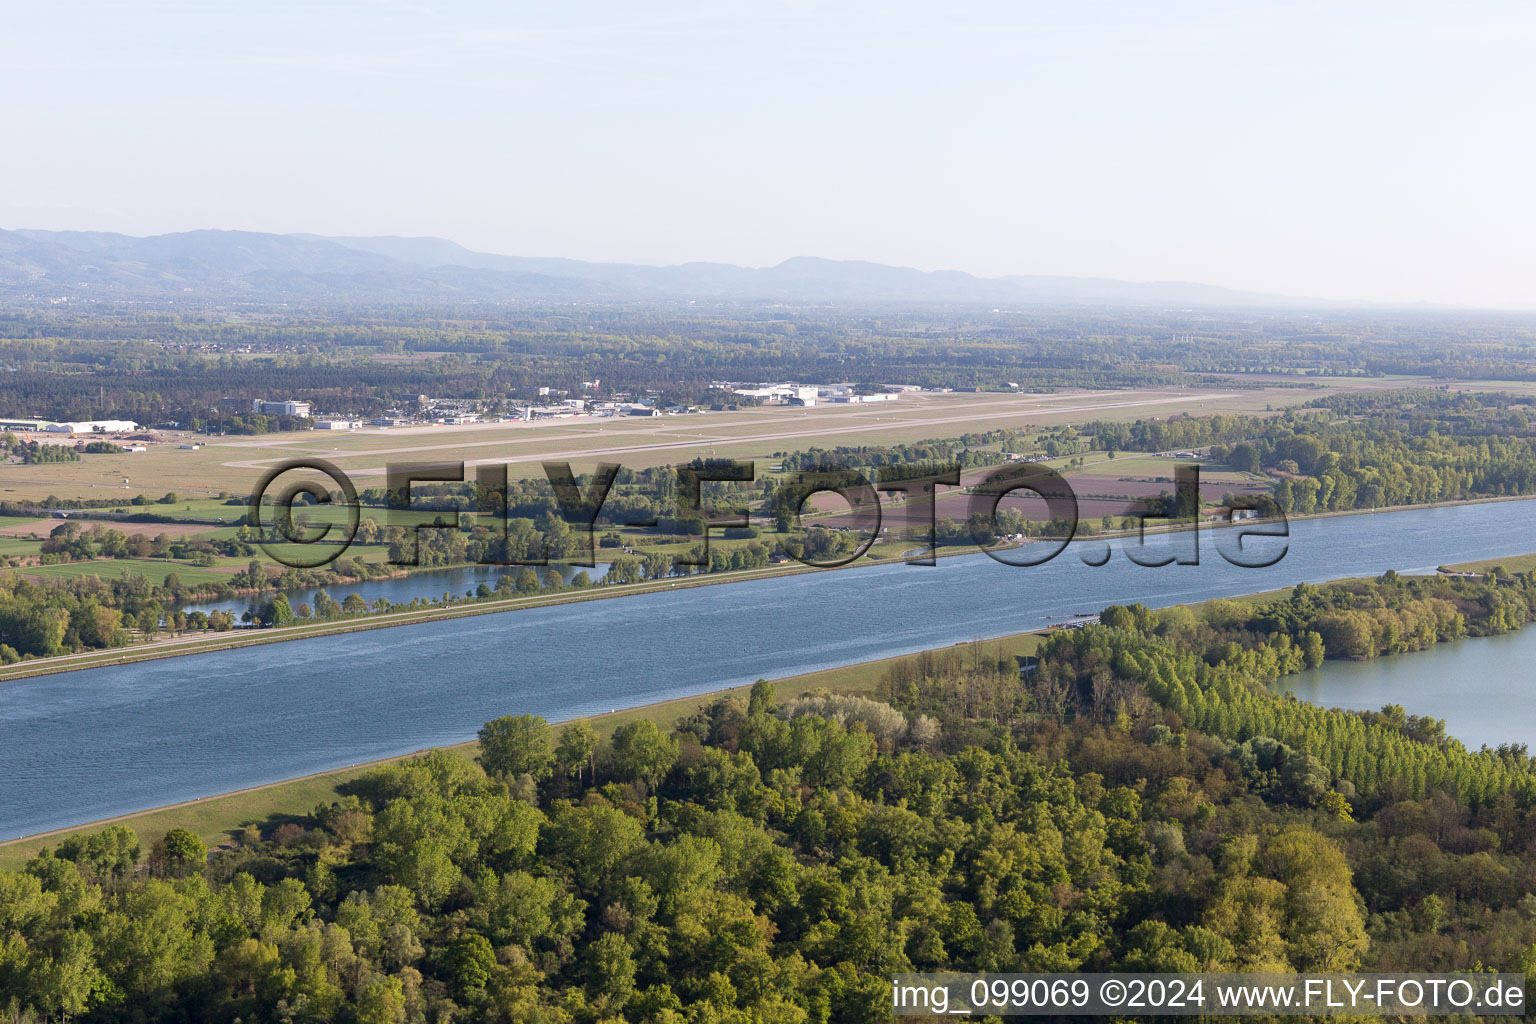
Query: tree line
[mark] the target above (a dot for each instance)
(1135, 800)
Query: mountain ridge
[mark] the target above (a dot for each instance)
(225, 264)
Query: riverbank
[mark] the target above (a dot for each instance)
(219, 819)
(201, 643)
(96, 743)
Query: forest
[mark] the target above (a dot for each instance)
(1135, 800)
(160, 366)
(1368, 450)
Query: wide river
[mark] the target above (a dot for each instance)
(79, 746)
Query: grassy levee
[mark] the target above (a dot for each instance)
(1513, 564)
(218, 819)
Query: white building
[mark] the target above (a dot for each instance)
(780, 392)
(563, 411)
(884, 396)
(338, 424)
(281, 408)
(93, 427)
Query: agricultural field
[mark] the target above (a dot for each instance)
(1116, 487)
(18, 547)
(154, 569)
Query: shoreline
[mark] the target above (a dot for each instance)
(662, 711)
(604, 723)
(204, 643)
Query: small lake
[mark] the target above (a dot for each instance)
(430, 584)
(1481, 686)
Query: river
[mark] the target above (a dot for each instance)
(84, 745)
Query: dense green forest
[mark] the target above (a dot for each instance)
(1135, 800)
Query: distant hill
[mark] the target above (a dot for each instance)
(247, 265)
(222, 265)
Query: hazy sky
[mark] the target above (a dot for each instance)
(1342, 150)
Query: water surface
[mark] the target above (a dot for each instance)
(1481, 686)
(84, 745)
(430, 584)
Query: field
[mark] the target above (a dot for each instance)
(26, 527)
(1114, 487)
(155, 569)
(40, 528)
(12, 547)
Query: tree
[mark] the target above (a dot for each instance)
(760, 701)
(381, 1000)
(470, 961)
(611, 971)
(326, 606)
(656, 565)
(110, 853)
(642, 753)
(354, 604)
(516, 745)
(183, 849)
(1312, 648)
(575, 749)
(276, 612)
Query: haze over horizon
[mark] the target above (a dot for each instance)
(1364, 154)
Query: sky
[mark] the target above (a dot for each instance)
(1372, 151)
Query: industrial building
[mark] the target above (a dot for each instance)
(884, 396)
(285, 407)
(70, 426)
(93, 427)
